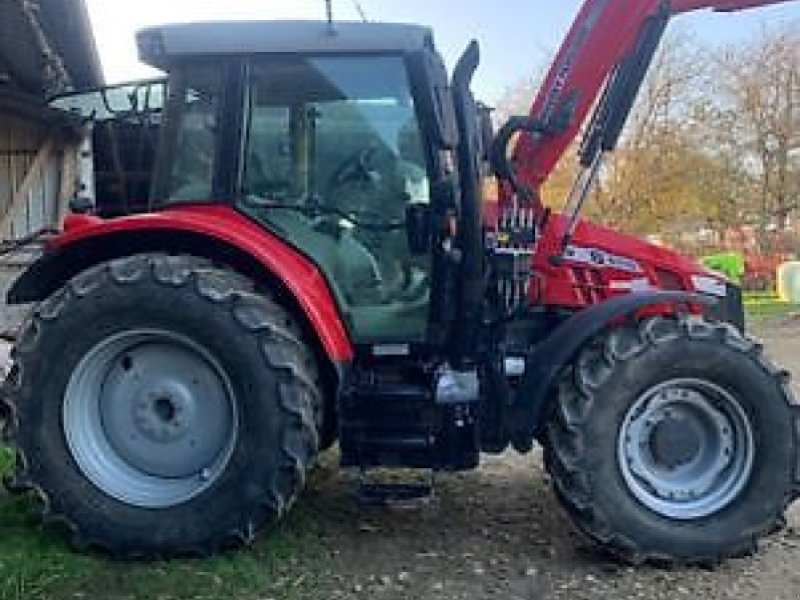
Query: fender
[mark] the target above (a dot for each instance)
(547, 359)
(212, 231)
(796, 411)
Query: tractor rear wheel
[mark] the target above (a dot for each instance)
(674, 441)
(160, 407)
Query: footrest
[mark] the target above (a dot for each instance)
(383, 493)
(391, 493)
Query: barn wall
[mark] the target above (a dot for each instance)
(46, 46)
(32, 194)
(21, 141)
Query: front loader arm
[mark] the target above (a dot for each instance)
(603, 36)
(679, 6)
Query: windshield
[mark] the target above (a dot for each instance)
(339, 132)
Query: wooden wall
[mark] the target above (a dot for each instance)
(32, 183)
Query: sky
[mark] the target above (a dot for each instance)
(516, 36)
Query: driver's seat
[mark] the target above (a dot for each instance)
(371, 308)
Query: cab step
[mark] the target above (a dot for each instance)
(393, 493)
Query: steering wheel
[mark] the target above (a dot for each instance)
(358, 168)
(359, 185)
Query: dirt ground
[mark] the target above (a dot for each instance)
(499, 533)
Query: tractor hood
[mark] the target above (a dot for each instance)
(601, 263)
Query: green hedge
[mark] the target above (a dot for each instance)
(730, 264)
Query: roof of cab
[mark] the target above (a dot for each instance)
(161, 45)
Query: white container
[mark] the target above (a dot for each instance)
(789, 282)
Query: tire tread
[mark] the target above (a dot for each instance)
(565, 433)
(284, 353)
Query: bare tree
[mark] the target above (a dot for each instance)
(761, 102)
(647, 186)
(639, 177)
(713, 141)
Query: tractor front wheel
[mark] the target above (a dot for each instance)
(159, 407)
(674, 441)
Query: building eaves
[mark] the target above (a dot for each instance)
(47, 45)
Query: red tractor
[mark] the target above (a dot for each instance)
(314, 265)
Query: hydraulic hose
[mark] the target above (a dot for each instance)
(499, 157)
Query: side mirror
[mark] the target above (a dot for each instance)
(418, 228)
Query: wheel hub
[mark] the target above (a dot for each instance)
(161, 416)
(686, 448)
(674, 441)
(150, 418)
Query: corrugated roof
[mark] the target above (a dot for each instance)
(67, 24)
(66, 30)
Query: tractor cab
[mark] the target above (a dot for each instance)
(330, 136)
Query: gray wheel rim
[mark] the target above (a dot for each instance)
(686, 448)
(150, 418)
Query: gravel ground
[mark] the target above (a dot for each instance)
(499, 533)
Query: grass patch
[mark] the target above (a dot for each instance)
(761, 306)
(36, 563)
(6, 461)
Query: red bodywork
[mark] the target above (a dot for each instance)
(578, 283)
(300, 276)
(604, 33)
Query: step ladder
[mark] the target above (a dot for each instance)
(371, 492)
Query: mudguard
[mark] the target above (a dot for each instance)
(796, 410)
(216, 232)
(547, 359)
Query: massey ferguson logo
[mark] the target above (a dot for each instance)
(602, 259)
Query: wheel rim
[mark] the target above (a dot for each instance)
(150, 418)
(686, 448)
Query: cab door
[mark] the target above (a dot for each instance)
(334, 160)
